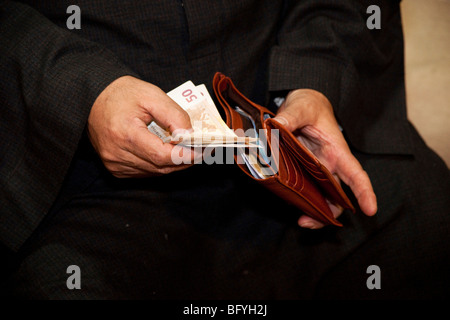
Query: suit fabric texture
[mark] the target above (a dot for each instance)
(208, 232)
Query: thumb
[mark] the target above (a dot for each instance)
(169, 115)
(302, 107)
(295, 113)
(161, 108)
(288, 119)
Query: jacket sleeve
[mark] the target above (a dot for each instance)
(326, 45)
(49, 79)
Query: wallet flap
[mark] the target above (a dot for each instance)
(229, 97)
(322, 177)
(302, 187)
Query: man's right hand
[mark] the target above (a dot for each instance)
(117, 128)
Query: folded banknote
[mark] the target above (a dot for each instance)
(208, 128)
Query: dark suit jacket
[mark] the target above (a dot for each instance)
(50, 76)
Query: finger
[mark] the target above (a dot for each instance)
(352, 174)
(186, 155)
(127, 164)
(152, 149)
(169, 115)
(309, 223)
(122, 171)
(289, 119)
(301, 108)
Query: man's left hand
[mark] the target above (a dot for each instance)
(309, 115)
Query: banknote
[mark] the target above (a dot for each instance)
(208, 128)
(210, 131)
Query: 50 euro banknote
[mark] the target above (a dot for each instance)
(208, 128)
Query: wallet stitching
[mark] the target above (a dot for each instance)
(318, 214)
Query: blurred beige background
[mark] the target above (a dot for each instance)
(427, 62)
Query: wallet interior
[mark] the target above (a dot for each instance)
(243, 115)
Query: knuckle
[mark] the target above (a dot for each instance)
(117, 174)
(106, 156)
(165, 170)
(113, 130)
(182, 116)
(361, 177)
(185, 116)
(162, 159)
(156, 159)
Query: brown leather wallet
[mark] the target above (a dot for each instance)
(299, 178)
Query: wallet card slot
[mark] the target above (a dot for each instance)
(299, 164)
(290, 177)
(324, 181)
(304, 187)
(313, 166)
(304, 170)
(295, 166)
(306, 156)
(301, 156)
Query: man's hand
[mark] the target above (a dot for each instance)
(309, 115)
(117, 128)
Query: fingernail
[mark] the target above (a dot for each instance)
(281, 120)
